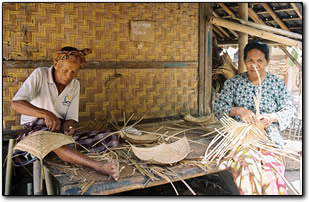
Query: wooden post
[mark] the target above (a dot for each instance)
(9, 165)
(205, 60)
(208, 58)
(243, 39)
(201, 65)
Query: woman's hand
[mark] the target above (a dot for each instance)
(52, 122)
(267, 119)
(245, 114)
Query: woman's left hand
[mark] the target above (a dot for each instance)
(267, 119)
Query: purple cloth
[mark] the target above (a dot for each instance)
(85, 138)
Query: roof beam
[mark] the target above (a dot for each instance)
(297, 10)
(275, 17)
(255, 32)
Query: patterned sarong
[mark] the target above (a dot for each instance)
(85, 138)
(256, 174)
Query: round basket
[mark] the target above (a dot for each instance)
(144, 138)
(291, 164)
(200, 120)
(164, 153)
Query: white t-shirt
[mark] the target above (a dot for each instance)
(40, 90)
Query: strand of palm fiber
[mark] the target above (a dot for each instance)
(257, 99)
(166, 178)
(182, 181)
(233, 135)
(172, 137)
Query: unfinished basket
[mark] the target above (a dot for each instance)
(164, 153)
(200, 120)
(40, 143)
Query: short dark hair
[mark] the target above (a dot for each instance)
(69, 48)
(263, 47)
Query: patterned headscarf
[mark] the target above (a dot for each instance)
(72, 54)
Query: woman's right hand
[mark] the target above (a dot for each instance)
(52, 122)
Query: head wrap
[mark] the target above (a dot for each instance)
(72, 54)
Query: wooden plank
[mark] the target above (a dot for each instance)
(107, 64)
(135, 182)
(228, 179)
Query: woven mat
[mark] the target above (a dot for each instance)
(81, 173)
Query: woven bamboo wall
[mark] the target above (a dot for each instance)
(34, 31)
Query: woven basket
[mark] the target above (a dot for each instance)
(164, 153)
(293, 142)
(142, 138)
(200, 120)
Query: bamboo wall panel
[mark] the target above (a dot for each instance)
(162, 92)
(34, 31)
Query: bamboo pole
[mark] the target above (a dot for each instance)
(29, 189)
(9, 165)
(255, 32)
(37, 178)
(275, 17)
(49, 182)
(283, 48)
(243, 38)
(270, 29)
(255, 16)
(297, 10)
(228, 11)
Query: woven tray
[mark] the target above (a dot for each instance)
(164, 153)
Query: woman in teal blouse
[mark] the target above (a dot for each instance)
(276, 111)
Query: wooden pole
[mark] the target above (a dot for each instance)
(29, 189)
(270, 29)
(275, 17)
(243, 39)
(49, 182)
(255, 32)
(283, 48)
(208, 59)
(201, 66)
(9, 165)
(37, 177)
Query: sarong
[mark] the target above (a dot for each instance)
(257, 173)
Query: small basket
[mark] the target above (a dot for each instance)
(293, 136)
(199, 120)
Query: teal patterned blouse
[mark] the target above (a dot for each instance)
(239, 92)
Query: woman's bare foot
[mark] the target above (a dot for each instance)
(110, 169)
